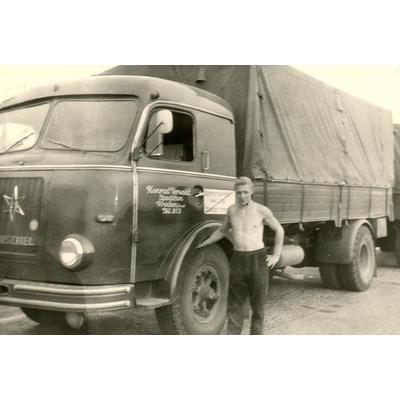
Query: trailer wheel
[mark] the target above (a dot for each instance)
(45, 317)
(397, 245)
(200, 306)
(330, 276)
(357, 276)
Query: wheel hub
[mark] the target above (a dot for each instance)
(365, 262)
(205, 293)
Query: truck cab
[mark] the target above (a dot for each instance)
(107, 184)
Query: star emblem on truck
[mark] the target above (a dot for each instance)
(13, 204)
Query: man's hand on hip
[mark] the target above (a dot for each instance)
(272, 260)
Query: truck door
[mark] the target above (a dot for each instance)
(167, 170)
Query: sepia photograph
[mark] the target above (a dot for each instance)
(199, 200)
(177, 178)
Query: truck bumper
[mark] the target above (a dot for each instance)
(66, 298)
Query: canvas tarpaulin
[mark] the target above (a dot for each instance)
(292, 127)
(310, 131)
(397, 158)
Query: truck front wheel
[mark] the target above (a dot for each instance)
(200, 306)
(357, 276)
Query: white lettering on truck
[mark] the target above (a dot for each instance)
(17, 240)
(171, 199)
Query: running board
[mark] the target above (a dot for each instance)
(152, 302)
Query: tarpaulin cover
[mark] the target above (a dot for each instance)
(397, 157)
(293, 127)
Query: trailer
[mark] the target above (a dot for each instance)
(321, 159)
(391, 243)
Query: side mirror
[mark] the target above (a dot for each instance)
(161, 121)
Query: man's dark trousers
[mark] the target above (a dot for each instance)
(248, 279)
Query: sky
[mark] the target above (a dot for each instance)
(378, 84)
(16, 78)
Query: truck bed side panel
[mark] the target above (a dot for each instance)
(301, 203)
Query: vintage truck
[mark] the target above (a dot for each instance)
(391, 242)
(109, 183)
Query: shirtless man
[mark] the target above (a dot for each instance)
(244, 223)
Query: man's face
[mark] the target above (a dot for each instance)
(243, 195)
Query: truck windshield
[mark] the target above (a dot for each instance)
(20, 128)
(90, 125)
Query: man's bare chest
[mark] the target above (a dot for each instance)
(246, 220)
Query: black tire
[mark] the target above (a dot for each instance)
(397, 246)
(330, 276)
(200, 306)
(45, 317)
(357, 276)
(388, 244)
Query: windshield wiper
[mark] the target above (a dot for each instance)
(67, 146)
(17, 143)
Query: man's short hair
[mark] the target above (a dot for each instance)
(244, 180)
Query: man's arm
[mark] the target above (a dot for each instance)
(218, 234)
(274, 224)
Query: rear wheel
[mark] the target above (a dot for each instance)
(200, 307)
(45, 317)
(397, 245)
(357, 276)
(330, 276)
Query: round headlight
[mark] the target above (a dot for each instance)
(76, 252)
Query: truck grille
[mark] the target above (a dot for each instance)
(20, 225)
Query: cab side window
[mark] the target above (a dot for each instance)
(174, 143)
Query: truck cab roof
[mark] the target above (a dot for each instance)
(142, 87)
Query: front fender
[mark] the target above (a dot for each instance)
(172, 265)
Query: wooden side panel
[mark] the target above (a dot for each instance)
(358, 203)
(307, 202)
(378, 203)
(283, 199)
(320, 203)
